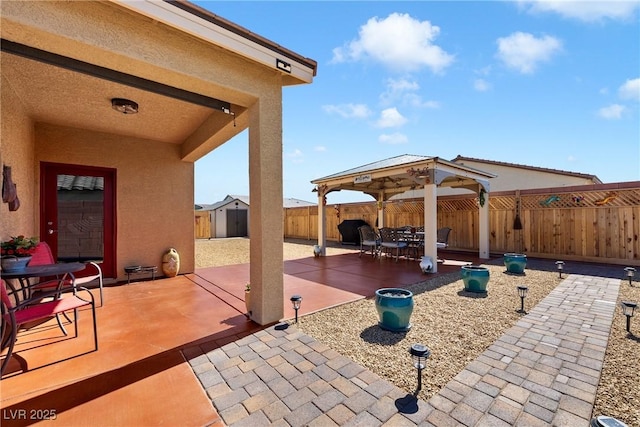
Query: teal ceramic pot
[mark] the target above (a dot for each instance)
(14, 264)
(394, 307)
(515, 263)
(475, 278)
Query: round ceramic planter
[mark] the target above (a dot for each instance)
(475, 278)
(515, 263)
(394, 307)
(13, 264)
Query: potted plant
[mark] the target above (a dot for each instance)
(394, 307)
(475, 278)
(515, 263)
(16, 252)
(247, 297)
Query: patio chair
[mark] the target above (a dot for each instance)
(442, 237)
(391, 240)
(369, 239)
(34, 309)
(43, 256)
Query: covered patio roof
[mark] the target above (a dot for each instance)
(402, 173)
(385, 178)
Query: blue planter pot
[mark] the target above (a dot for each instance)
(394, 307)
(14, 264)
(475, 278)
(515, 263)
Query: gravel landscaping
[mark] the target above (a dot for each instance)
(457, 326)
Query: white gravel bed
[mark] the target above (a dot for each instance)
(457, 326)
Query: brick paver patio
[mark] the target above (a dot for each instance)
(544, 370)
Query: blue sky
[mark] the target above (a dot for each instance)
(548, 84)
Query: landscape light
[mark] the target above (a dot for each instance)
(560, 265)
(419, 354)
(628, 308)
(296, 300)
(522, 292)
(630, 273)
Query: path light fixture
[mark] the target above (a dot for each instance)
(630, 273)
(628, 308)
(296, 300)
(560, 266)
(419, 354)
(522, 292)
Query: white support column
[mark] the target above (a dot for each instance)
(483, 228)
(322, 223)
(431, 223)
(380, 207)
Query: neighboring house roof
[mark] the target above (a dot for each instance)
(461, 159)
(287, 203)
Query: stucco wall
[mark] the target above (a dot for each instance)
(17, 151)
(154, 190)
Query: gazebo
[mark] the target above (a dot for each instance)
(386, 178)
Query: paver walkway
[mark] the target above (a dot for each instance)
(544, 370)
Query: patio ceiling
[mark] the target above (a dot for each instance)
(63, 97)
(403, 173)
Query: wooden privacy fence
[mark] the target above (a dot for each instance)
(595, 223)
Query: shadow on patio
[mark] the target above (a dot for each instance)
(140, 374)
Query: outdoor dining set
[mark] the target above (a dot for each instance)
(406, 241)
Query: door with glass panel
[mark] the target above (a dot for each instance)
(78, 213)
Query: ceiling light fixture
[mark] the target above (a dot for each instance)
(125, 106)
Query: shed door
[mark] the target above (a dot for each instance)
(237, 223)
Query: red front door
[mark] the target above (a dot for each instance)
(78, 213)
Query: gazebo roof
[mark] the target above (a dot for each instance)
(405, 172)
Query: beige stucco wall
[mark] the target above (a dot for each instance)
(154, 190)
(17, 151)
(155, 186)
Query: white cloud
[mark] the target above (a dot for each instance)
(588, 11)
(481, 85)
(393, 139)
(612, 112)
(630, 90)
(524, 52)
(358, 111)
(571, 158)
(320, 148)
(295, 156)
(390, 118)
(402, 91)
(399, 42)
(415, 100)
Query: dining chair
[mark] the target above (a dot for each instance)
(390, 240)
(43, 256)
(38, 308)
(369, 238)
(442, 237)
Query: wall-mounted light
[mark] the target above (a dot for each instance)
(124, 106)
(284, 66)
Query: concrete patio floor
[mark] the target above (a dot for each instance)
(143, 329)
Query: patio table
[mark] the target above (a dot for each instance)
(62, 272)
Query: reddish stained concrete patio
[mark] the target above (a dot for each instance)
(143, 328)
